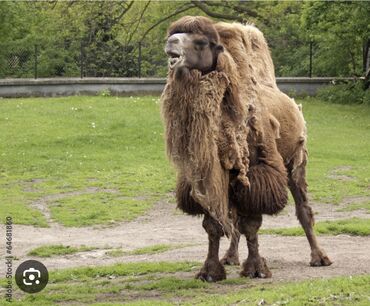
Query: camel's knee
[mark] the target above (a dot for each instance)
(249, 225)
(297, 174)
(298, 188)
(305, 214)
(212, 227)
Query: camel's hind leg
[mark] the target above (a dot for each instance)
(255, 265)
(212, 269)
(298, 188)
(231, 256)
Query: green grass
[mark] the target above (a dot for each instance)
(153, 249)
(97, 208)
(354, 226)
(168, 283)
(115, 253)
(73, 143)
(136, 303)
(55, 250)
(337, 291)
(356, 206)
(58, 145)
(338, 138)
(125, 269)
(21, 213)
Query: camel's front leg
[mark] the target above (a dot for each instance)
(255, 265)
(212, 270)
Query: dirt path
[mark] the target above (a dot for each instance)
(288, 257)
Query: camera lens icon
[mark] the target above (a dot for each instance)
(31, 276)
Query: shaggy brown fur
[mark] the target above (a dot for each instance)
(206, 125)
(235, 138)
(198, 25)
(267, 193)
(184, 200)
(249, 49)
(193, 119)
(278, 121)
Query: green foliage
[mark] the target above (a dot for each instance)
(110, 33)
(105, 93)
(56, 250)
(286, 38)
(339, 30)
(345, 93)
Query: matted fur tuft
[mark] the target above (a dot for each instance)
(267, 193)
(249, 49)
(196, 25)
(184, 200)
(191, 109)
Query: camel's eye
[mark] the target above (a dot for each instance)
(201, 42)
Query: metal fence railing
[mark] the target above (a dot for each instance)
(76, 59)
(113, 59)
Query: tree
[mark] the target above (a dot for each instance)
(112, 31)
(340, 30)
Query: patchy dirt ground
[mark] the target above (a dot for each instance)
(287, 257)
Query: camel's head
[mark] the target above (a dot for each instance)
(193, 43)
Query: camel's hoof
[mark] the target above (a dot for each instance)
(231, 260)
(255, 267)
(212, 272)
(319, 258)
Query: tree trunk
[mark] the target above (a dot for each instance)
(366, 63)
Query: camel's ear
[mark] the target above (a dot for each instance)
(218, 49)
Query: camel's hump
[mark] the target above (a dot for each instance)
(247, 45)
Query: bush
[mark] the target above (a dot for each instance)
(105, 93)
(349, 93)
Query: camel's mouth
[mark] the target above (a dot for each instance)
(173, 54)
(174, 59)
